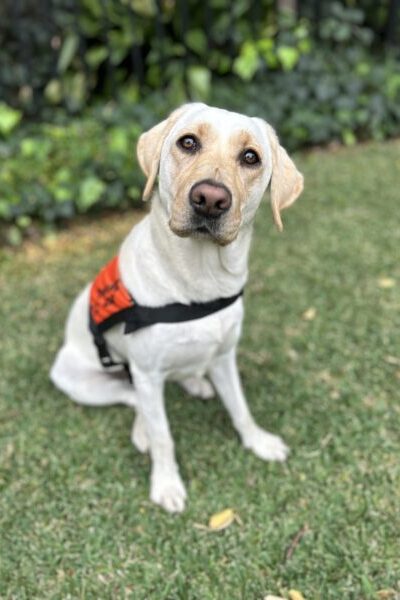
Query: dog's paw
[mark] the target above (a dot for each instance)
(265, 445)
(139, 436)
(168, 491)
(198, 386)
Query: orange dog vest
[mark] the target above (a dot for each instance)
(110, 303)
(108, 295)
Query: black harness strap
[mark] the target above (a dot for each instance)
(137, 316)
(143, 316)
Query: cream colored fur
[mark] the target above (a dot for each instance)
(162, 261)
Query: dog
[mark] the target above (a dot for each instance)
(207, 170)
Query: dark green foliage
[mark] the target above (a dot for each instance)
(333, 89)
(53, 171)
(92, 46)
(346, 97)
(68, 52)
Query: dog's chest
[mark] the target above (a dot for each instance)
(184, 348)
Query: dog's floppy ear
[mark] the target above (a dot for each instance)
(286, 181)
(149, 149)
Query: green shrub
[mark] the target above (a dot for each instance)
(89, 48)
(344, 98)
(55, 171)
(83, 49)
(337, 88)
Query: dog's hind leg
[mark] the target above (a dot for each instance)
(198, 386)
(88, 385)
(139, 435)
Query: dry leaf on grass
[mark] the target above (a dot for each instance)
(388, 595)
(295, 595)
(269, 597)
(392, 360)
(293, 354)
(309, 314)
(386, 282)
(221, 520)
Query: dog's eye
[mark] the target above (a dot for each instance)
(189, 143)
(249, 157)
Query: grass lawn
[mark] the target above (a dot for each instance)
(75, 517)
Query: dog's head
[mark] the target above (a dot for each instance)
(214, 167)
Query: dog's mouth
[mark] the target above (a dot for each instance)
(203, 231)
(200, 227)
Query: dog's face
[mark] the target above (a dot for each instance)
(214, 167)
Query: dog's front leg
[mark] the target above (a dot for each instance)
(167, 488)
(225, 377)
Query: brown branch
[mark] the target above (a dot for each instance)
(295, 542)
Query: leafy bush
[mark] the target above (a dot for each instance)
(341, 97)
(89, 47)
(336, 88)
(55, 171)
(83, 49)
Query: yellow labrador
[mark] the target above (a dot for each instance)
(213, 168)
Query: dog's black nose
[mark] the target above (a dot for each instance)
(210, 199)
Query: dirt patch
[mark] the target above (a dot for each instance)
(80, 237)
